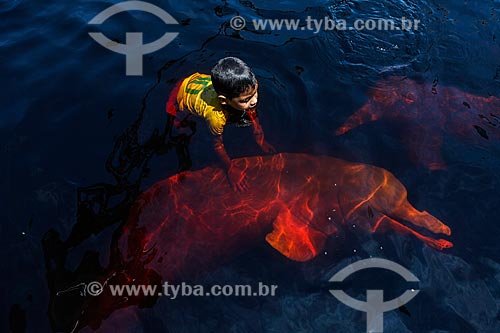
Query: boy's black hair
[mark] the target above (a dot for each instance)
(231, 77)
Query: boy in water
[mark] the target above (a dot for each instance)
(227, 96)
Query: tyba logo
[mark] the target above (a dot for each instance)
(133, 49)
(374, 305)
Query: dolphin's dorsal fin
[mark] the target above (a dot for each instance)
(294, 238)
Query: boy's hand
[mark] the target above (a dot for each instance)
(237, 178)
(267, 148)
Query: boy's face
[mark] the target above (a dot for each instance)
(245, 101)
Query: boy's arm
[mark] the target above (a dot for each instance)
(258, 134)
(221, 152)
(235, 175)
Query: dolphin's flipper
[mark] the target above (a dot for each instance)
(364, 115)
(294, 238)
(386, 222)
(391, 200)
(407, 212)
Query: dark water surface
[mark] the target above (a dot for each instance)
(67, 104)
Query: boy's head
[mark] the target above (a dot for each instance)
(235, 84)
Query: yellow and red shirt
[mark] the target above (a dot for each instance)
(197, 95)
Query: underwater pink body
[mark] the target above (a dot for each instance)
(193, 222)
(425, 114)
